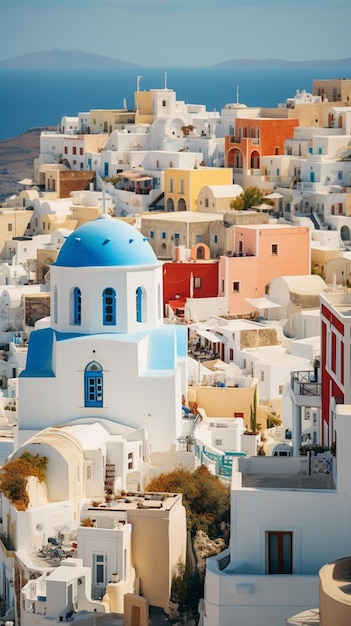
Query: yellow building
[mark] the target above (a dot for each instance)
(108, 120)
(154, 103)
(182, 187)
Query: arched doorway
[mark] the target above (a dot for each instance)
(169, 205)
(181, 205)
(255, 160)
(345, 233)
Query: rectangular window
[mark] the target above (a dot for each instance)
(74, 150)
(215, 238)
(81, 151)
(279, 552)
(281, 389)
(236, 286)
(130, 461)
(182, 185)
(163, 235)
(99, 568)
(274, 249)
(340, 175)
(218, 442)
(9, 228)
(171, 185)
(262, 377)
(176, 238)
(197, 282)
(65, 150)
(151, 234)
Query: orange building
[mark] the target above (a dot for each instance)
(254, 138)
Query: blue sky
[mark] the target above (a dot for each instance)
(179, 33)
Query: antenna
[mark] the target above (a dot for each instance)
(165, 80)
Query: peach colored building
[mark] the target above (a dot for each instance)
(261, 253)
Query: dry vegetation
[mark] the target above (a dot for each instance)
(16, 160)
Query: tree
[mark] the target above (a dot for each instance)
(250, 197)
(205, 497)
(14, 474)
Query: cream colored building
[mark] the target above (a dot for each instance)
(108, 120)
(13, 223)
(217, 198)
(167, 231)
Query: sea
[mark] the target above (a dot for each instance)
(34, 98)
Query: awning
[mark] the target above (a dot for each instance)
(134, 176)
(25, 181)
(263, 303)
(275, 195)
(129, 174)
(263, 207)
(212, 337)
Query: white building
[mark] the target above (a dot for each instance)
(100, 396)
(107, 352)
(286, 524)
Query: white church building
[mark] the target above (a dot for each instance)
(107, 355)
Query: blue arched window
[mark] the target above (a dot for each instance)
(109, 306)
(140, 304)
(93, 384)
(77, 306)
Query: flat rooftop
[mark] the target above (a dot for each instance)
(288, 481)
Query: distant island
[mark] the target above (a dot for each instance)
(282, 63)
(63, 59)
(76, 59)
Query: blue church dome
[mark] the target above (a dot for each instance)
(105, 242)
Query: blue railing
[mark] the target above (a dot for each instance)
(224, 462)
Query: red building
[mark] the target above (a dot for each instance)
(189, 279)
(335, 357)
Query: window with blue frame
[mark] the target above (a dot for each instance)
(109, 306)
(140, 304)
(93, 384)
(77, 306)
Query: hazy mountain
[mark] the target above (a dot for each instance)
(282, 63)
(63, 59)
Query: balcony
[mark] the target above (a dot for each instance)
(306, 388)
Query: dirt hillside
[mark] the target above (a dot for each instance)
(16, 160)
